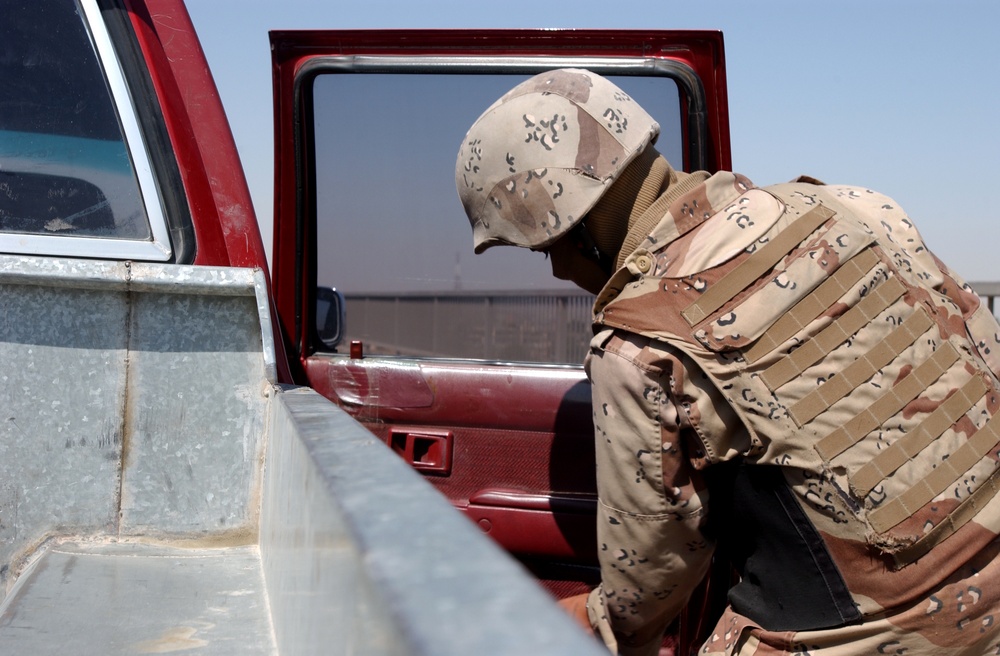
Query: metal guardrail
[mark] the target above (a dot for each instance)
(989, 291)
(544, 326)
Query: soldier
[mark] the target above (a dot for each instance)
(785, 373)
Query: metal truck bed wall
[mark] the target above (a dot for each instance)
(128, 411)
(160, 493)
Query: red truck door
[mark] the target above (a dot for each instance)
(468, 366)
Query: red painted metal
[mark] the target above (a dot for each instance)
(702, 50)
(470, 394)
(225, 225)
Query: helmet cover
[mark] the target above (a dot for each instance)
(542, 155)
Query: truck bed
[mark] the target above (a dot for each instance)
(106, 598)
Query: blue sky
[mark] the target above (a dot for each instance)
(899, 96)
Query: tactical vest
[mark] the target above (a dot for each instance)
(846, 349)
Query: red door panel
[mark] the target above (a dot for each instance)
(524, 471)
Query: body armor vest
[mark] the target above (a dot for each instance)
(852, 356)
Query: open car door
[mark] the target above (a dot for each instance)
(468, 366)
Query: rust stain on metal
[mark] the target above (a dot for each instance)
(179, 638)
(240, 536)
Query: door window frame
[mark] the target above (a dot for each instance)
(693, 114)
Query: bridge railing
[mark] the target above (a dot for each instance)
(542, 326)
(989, 291)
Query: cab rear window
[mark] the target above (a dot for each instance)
(74, 179)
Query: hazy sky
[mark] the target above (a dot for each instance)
(900, 96)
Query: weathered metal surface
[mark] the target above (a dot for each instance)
(62, 385)
(103, 599)
(157, 371)
(193, 433)
(322, 601)
(361, 556)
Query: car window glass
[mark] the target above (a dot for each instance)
(65, 167)
(392, 235)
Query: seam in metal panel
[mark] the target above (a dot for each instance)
(124, 430)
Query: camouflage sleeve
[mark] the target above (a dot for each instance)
(652, 503)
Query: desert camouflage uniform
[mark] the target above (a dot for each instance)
(790, 372)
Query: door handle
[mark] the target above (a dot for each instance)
(426, 450)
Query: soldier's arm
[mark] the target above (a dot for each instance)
(652, 503)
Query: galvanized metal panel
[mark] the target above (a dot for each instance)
(322, 600)
(158, 369)
(361, 555)
(102, 599)
(62, 387)
(194, 415)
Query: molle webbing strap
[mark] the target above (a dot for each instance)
(889, 404)
(756, 265)
(956, 519)
(833, 335)
(946, 473)
(816, 303)
(909, 445)
(859, 371)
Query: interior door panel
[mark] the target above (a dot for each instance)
(523, 472)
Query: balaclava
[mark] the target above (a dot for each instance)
(636, 202)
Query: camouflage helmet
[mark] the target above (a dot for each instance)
(541, 156)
